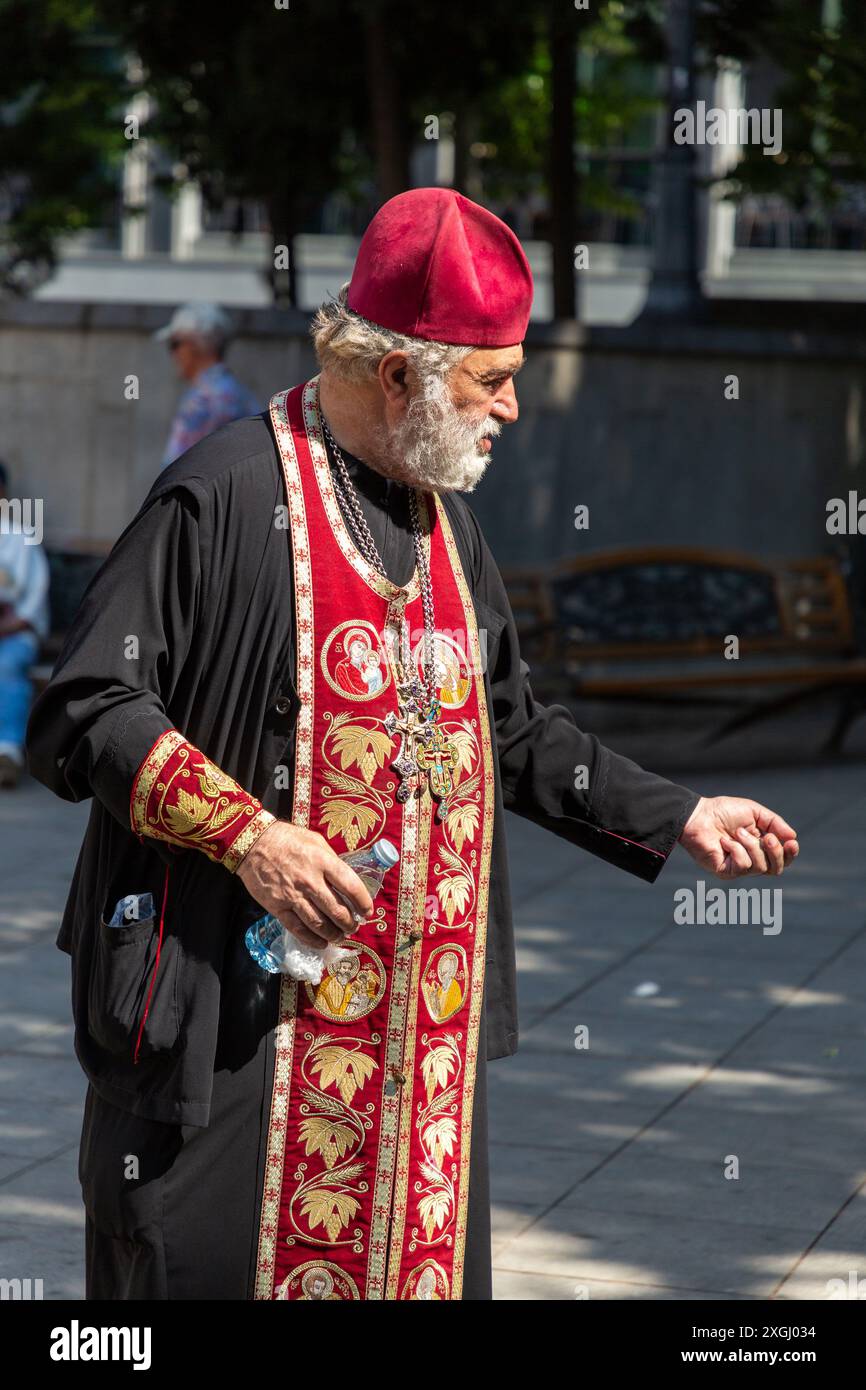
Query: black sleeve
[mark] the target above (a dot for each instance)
(627, 816)
(105, 705)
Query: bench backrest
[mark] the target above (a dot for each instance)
(679, 601)
(70, 571)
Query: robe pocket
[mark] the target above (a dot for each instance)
(120, 977)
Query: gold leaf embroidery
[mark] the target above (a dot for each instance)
(367, 748)
(462, 823)
(190, 812)
(453, 894)
(360, 811)
(438, 1131)
(326, 1137)
(346, 819)
(454, 890)
(333, 1210)
(440, 1137)
(434, 1210)
(344, 1068)
(437, 1067)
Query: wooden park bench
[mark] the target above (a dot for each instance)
(652, 623)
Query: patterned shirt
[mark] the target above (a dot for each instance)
(215, 398)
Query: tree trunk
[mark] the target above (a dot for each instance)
(562, 31)
(462, 142)
(675, 288)
(283, 215)
(391, 148)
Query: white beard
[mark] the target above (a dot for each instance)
(434, 447)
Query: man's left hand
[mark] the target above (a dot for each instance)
(731, 836)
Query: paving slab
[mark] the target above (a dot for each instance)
(612, 1188)
(639, 1180)
(685, 1254)
(512, 1286)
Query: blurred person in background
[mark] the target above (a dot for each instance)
(198, 336)
(23, 625)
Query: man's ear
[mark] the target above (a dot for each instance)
(394, 376)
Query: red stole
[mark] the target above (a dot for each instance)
(366, 1181)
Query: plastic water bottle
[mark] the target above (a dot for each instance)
(135, 907)
(372, 864)
(276, 950)
(260, 937)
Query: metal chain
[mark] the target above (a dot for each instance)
(347, 495)
(426, 597)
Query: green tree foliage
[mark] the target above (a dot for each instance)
(819, 50)
(286, 105)
(253, 102)
(62, 103)
(617, 45)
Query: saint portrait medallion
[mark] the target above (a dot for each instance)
(353, 662)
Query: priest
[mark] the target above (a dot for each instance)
(301, 646)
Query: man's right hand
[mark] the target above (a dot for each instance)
(293, 873)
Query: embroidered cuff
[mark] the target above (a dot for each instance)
(180, 796)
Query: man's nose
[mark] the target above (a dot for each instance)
(505, 406)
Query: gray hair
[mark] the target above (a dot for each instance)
(352, 347)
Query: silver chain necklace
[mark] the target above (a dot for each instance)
(426, 755)
(348, 496)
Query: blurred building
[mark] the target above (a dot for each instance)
(167, 252)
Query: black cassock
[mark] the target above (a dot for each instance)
(189, 625)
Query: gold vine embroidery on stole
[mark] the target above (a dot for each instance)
(333, 1131)
(358, 811)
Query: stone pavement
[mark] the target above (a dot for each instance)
(608, 1163)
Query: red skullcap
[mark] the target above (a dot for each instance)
(432, 264)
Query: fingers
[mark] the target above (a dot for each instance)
(753, 854)
(317, 922)
(342, 877)
(767, 821)
(775, 853)
(738, 855)
(304, 936)
(752, 845)
(336, 910)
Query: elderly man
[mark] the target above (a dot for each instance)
(197, 338)
(231, 770)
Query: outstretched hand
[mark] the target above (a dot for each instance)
(732, 836)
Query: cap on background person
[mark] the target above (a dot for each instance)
(197, 337)
(207, 322)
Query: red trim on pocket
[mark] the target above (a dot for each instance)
(155, 967)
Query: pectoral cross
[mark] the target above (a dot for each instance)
(438, 757)
(425, 750)
(410, 724)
